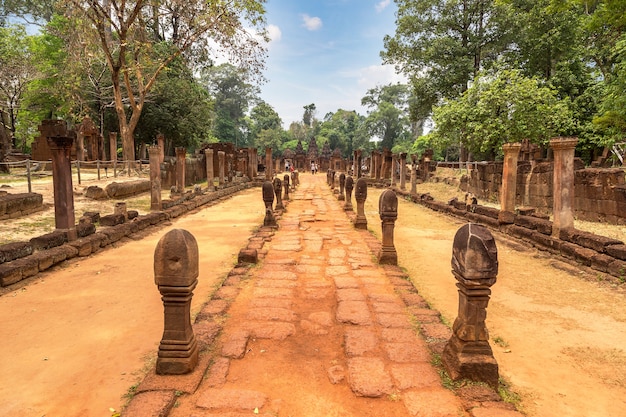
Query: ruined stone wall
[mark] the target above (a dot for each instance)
(599, 193)
(17, 205)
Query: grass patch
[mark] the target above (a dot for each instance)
(500, 342)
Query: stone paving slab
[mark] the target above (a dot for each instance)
(317, 321)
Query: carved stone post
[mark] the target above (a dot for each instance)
(176, 275)
(563, 184)
(394, 163)
(268, 199)
(475, 266)
(161, 145)
(278, 188)
(383, 166)
(332, 179)
(181, 153)
(509, 183)
(342, 184)
(286, 186)
(358, 160)
(349, 187)
(413, 174)
(210, 170)
(154, 153)
(268, 164)
(221, 162)
(360, 195)
(113, 148)
(388, 211)
(403, 171)
(60, 143)
(376, 163)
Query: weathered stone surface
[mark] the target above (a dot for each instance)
(49, 240)
(234, 345)
(407, 352)
(353, 312)
(230, 398)
(432, 402)
(151, 404)
(368, 377)
(271, 330)
(359, 342)
(127, 188)
(15, 250)
(112, 219)
(415, 375)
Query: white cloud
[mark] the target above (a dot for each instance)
(274, 33)
(382, 5)
(370, 77)
(311, 23)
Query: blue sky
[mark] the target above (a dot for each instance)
(325, 52)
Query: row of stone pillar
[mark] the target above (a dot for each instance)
(467, 355)
(562, 186)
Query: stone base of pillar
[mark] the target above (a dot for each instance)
(360, 223)
(269, 220)
(341, 197)
(506, 217)
(470, 360)
(388, 257)
(249, 256)
(177, 359)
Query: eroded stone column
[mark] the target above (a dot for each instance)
(349, 187)
(403, 171)
(413, 174)
(268, 164)
(563, 184)
(210, 170)
(342, 185)
(388, 211)
(394, 165)
(161, 145)
(221, 165)
(360, 195)
(154, 153)
(468, 355)
(181, 154)
(60, 142)
(176, 275)
(358, 161)
(286, 186)
(268, 200)
(509, 183)
(278, 188)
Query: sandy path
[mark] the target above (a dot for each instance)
(564, 336)
(74, 340)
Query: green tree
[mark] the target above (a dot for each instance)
(233, 97)
(266, 128)
(442, 44)
(140, 38)
(388, 118)
(342, 130)
(309, 114)
(501, 108)
(17, 70)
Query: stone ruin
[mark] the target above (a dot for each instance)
(388, 211)
(268, 200)
(468, 355)
(176, 275)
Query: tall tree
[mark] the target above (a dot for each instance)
(309, 114)
(388, 118)
(136, 53)
(442, 44)
(233, 96)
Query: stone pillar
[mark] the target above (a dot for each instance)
(358, 161)
(468, 355)
(113, 146)
(383, 166)
(360, 195)
(268, 200)
(403, 171)
(278, 188)
(154, 153)
(563, 184)
(286, 186)
(221, 162)
(60, 142)
(80, 146)
(161, 145)
(388, 211)
(342, 184)
(210, 171)
(251, 164)
(394, 164)
(255, 162)
(268, 164)
(509, 183)
(181, 153)
(349, 187)
(176, 275)
(413, 174)
(428, 155)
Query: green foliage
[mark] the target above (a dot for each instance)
(501, 108)
(389, 117)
